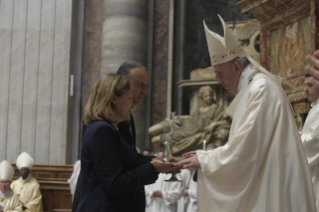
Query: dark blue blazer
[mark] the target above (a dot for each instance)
(112, 179)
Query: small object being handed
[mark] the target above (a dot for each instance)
(167, 155)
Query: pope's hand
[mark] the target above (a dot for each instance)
(189, 154)
(190, 163)
(165, 167)
(313, 67)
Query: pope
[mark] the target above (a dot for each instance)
(263, 167)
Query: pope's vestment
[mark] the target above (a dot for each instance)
(171, 192)
(29, 193)
(263, 167)
(310, 140)
(11, 202)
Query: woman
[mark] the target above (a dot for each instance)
(111, 177)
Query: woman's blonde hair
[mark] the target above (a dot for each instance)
(99, 106)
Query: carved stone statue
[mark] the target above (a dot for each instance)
(205, 123)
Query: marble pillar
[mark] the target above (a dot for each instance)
(160, 61)
(125, 39)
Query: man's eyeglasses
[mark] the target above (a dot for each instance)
(4, 182)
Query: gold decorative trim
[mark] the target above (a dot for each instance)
(219, 57)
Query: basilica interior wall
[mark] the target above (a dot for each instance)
(34, 69)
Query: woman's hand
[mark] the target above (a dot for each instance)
(165, 167)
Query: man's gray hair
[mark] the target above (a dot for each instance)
(126, 68)
(241, 60)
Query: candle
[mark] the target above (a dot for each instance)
(204, 145)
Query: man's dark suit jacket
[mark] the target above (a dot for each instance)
(130, 137)
(112, 179)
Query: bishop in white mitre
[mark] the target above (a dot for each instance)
(263, 167)
(27, 187)
(310, 132)
(9, 202)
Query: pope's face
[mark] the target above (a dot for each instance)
(228, 76)
(4, 185)
(311, 89)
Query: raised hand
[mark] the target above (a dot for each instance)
(313, 67)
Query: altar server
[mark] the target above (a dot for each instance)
(162, 196)
(183, 202)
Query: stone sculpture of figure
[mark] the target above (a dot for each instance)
(206, 123)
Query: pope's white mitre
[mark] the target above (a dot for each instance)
(227, 48)
(25, 160)
(6, 170)
(222, 49)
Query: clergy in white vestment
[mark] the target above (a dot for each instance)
(182, 203)
(9, 202)
(26, 186)
(162, 196)
(74, 177)
(263, 167)
(192, 194)
(310, 132)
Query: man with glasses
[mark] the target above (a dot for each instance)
(8, 200)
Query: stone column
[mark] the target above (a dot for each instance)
(125, 39)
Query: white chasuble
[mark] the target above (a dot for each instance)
(310, 140)
(171, 191)
(11, 203)
(263, 167)
(29, 193)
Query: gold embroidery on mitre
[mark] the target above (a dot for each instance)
(236, 50)
(218, 57)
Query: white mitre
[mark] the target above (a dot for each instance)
(227, 48)
(6, 170)
(24, 160)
